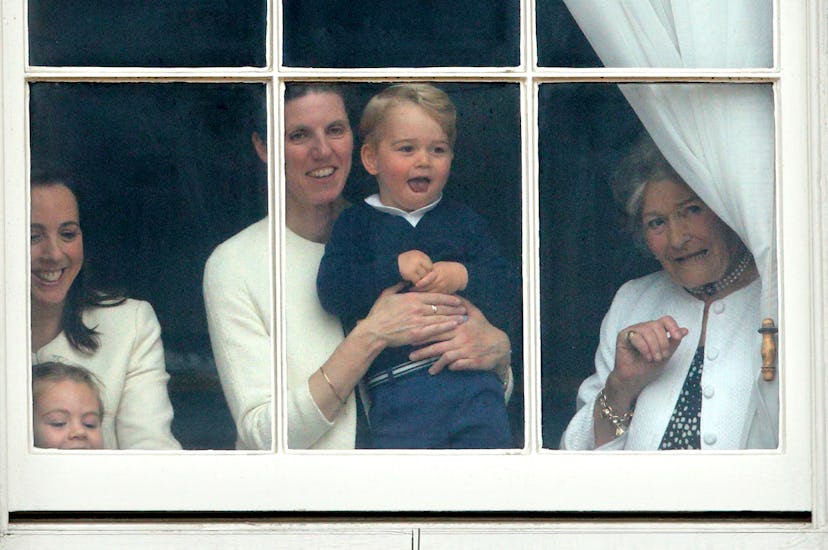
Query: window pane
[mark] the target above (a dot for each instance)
(182, 33)
(587, 253)
(395, 33)
(165, 172)
(486, 176)
(732, 34)
(584, 131)
(561, 43)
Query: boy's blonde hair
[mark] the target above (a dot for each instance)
(435, 101)
(58, 372)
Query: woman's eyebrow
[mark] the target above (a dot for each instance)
(71, 223)
(679, 204)
(690, 199)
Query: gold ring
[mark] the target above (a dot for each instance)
(433, 309)
(629, 335)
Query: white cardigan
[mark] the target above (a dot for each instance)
(739, 409)
(237, 297)
(130, 366)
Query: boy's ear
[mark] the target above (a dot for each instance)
(369, 158)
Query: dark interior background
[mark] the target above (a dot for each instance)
(169, 172)
(401, 33)
(148, 33)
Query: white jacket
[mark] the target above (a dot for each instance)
(739, 409)
(130, 366)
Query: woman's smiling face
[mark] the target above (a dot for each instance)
(56, 244)
(689, 240)
(318, 149)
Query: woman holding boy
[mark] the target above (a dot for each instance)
(323, 366)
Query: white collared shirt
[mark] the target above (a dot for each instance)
(411, 217)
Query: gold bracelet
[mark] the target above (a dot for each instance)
(330, 385)
(621, 422)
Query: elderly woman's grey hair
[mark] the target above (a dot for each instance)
(642, 164)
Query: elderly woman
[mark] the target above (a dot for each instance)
(117, 339)
(676, 366)
(323, 366)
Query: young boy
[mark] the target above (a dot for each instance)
(67, 407)
(409, 232)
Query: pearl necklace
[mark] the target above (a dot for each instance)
(708, 290)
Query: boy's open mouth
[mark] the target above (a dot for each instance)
(419, 185)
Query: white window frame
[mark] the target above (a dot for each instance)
(790, 479)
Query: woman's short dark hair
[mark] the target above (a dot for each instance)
(295, 90)
(642, 164)
(80, 295)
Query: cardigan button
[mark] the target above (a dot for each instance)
(708, 391)
(709, 439)
(712, 354)
(718, 307)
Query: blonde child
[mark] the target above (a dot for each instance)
(67, 407)
(409, 232)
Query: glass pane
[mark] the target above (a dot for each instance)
(163, 173)
(395, 33)
(560, 41)
(732, 34)
(183, 33)
(694, 234)
(485, 175)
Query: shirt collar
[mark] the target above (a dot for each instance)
(411, 217)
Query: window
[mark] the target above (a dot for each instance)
(533, 478)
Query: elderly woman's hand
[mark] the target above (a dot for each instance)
(473, 345)
(413, 318)
(641, 350)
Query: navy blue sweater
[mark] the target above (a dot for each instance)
(360, 261)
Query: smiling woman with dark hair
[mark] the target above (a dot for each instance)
(675, 363)
(117, 339)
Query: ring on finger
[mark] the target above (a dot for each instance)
(433, 309)
(630, 334)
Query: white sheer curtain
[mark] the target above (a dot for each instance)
(718, 137)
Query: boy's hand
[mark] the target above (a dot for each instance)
(445, 277)
(414, 265)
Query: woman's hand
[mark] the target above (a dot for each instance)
(473, 345)
(412, 318)
(396, 319)
(641, 351)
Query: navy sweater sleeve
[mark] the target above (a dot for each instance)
(494, 282)
(353, 272)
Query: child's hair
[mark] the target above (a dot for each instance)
(435, 101)
(58, 372)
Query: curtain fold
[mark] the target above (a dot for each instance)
(718, 137)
